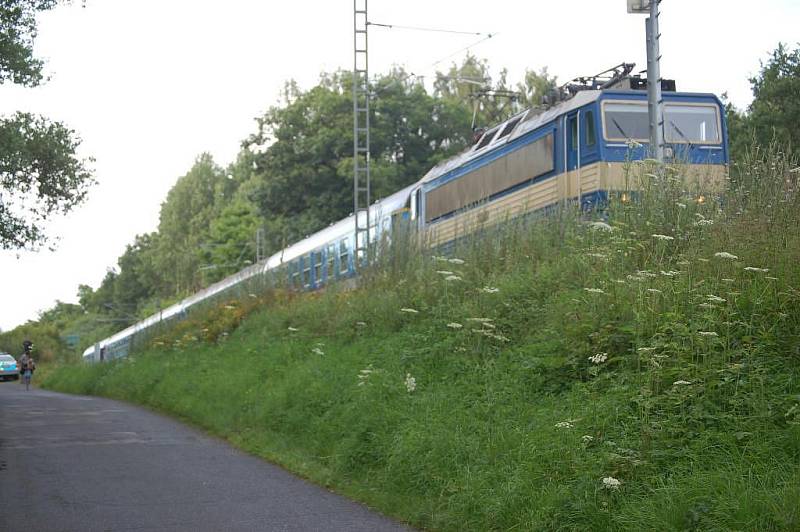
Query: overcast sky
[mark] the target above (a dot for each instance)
(151, 84)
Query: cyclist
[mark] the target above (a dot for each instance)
(26, 363)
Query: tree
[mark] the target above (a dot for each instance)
(775, 111)
(40, 174)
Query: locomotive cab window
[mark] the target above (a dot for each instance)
(695, 124)
(343, 266)
(626, 121)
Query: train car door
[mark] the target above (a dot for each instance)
(573, 154)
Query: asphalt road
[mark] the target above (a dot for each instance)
(75, 463)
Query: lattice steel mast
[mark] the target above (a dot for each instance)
(361, 173)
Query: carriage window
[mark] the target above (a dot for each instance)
(691, 123)
(307, 271)
(573, 132)
(591, 137)
(295, 267)
(626, 121)
(317, 266)
(343, 266)
(331, 261)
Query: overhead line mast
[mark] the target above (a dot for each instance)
(361, 170)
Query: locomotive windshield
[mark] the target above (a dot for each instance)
(683, 123)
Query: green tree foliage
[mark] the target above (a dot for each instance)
(40, 174)
(185, 221)
(773, 115)
(303, 162)
(775, 110)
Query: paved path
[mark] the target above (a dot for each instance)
(75, 463)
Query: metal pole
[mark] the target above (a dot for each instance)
(655, 107)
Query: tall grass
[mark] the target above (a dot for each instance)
(636, 368)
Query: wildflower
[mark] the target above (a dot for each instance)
(253, 296)
(663, 237)
(681, 383)
(411, 383)
(770, 278)
(480, 320)
(318, 351)
(645, 273)
(716, 299)
(490, 290)
(753, 269)
(596, 255)
(361, 324)
(409, 310)
(710, 334)
(611, 483)
(587, 439)
(654, 291)
(441, 259)
(455, 261)
(725, 255)
(725, 280)
(452, 278)
(454, 325)
(292, 329)
(599, 358)
(364, 374)
(671, 273)
(707, 306)
(704, 223)
(444, 272)
(594, 290)
(646, 349)
(229, 307)
(564, 424)
(601, 226)
(681, 205)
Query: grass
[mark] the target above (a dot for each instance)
(561, 352)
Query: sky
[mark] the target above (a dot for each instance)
(151, 84)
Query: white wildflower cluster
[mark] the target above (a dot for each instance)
(754, 269)
(611, 483)
(586, 439)
(646, 349)
(599, 358)
(229, 307)
(707, 306)
(594, 290)
(670, 273)
(597, 255)
(663, 237)
(481, 320)
(715, 299)
(726, 280)
(708, 334)
(681, 205)
(455, 261)
(704, 223)
(452, 278)
(293, 329)
(601, 226)
(364, 374)
(565, 424)
(489, 290)
(641, 275)
(444, 272)
(361, 324)
(454, 325)
(253, 296)
(725, 255)
(654, 290)
(409, 310)
(318, 350)
(411, 383)
(681, 383)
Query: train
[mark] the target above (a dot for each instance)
(575, 149)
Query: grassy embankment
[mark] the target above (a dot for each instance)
(661, 350)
